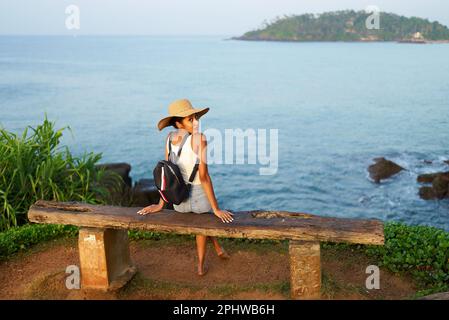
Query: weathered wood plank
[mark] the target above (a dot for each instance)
(257, 224)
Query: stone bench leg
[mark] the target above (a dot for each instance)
(305, 269)
(105, 261)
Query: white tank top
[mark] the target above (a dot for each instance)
(187, 160)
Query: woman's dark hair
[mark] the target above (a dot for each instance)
(173, 121)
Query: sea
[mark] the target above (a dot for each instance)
(318, 114)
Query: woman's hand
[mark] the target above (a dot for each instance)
(151, 209)
(224, 215)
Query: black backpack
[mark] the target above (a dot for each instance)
(168, 178)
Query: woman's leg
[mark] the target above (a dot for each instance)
(201, 249)
(218, 248)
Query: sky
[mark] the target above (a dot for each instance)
(183, 17)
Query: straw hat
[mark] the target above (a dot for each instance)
(180, 108)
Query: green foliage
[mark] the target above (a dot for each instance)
(419, 250)
(23, 237)
(33, 167)
(150, 235)
(347, 25)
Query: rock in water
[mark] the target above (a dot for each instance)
(426, 177)
(427, 193)
(439, 188)
(383, 169)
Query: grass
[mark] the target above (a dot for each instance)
(335, 284)
(34, 166)
(330, 287)
(22, 238)
(227, 291)
(254, 245)
(139, 282)
(169, 289)
(421, 252)
(402, 247)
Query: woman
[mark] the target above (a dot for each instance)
(202, 199)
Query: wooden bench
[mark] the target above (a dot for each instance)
(105, 261)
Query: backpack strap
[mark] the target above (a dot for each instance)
(194, 170)
(197, 163)
(180, 146)
(182, 143)
(169, 145)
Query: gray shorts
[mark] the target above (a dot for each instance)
(197, 202)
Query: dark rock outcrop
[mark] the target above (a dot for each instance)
(117, 182)
(427, 193)
(426, 177)
(121, 168)
(439, 188)
(383, 169)
(144, 193)
(440, 185)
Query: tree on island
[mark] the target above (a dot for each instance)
(347, 25)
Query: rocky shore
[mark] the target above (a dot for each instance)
(144, 193)
(383, 169)
(437, 187)
(123, 192)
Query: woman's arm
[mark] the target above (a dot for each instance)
(155, 207)
(200, 143)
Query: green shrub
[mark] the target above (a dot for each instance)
(419, 250)
(23, 237)
(34, 167)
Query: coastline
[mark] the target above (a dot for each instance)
(408, 41)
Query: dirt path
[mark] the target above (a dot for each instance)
(167, 271)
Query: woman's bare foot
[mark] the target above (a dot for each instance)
(223, 254)
(202, 270)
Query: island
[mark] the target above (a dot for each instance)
(349, 25)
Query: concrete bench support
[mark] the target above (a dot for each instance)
(104, 258)
(305, 269)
